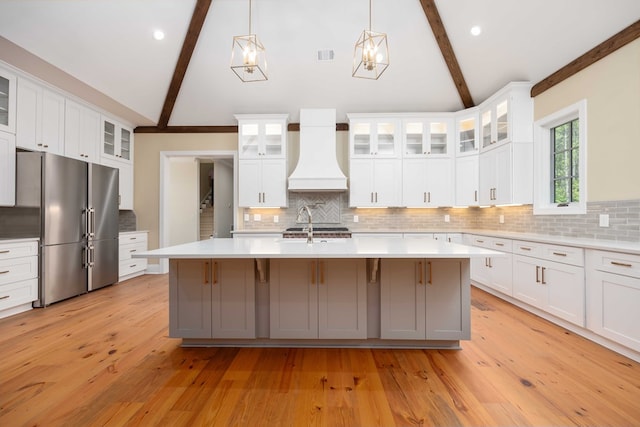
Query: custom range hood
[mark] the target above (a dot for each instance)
(317, 168)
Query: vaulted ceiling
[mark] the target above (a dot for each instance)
(103, 50)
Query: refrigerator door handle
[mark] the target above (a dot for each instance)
(92, 223)
(92, 255)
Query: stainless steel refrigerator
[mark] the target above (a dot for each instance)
(77, 203)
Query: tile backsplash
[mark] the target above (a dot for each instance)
(624, 218)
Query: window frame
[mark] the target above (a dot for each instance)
(543, 169)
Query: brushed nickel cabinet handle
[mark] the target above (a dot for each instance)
(475, 196)
(524, 248)
(537, 274)
(559, 254)
(4, 297)
(620, 264)
(5, 252)
(543, 281)
(4, 272)
(499, 244)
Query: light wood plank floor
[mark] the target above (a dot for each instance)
(105, 359)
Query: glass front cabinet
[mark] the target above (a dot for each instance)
(507, 116)
(262, 136)
(428, 137)
(467, 132)
(374, 137)
(7, 101)
(117, 140)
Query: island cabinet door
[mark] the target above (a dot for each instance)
(190, 298)
(233, 298)
(402, 299)
(293, 292)
(448, 299)
(342, 299)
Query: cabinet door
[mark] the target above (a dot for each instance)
(28, 104)
(439, 182)
(402, 299)
(52, 122)
(414, 182)
(7, 101)
(293, 298)
(125, 182)
(361, 183)
(81, 132)
(233, 299)
(249, 186)
(501, 271)
(342, 298)
(503, 182)
(7, 169)
(190, 298)
(487, 177)
(480, 271)
(467, 181)
(565, 291)
(274, 182)
(388, 182)
(467, 134)
(448, 299)
(528, 286)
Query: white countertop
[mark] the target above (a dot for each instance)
(359, 247)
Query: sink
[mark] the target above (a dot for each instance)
(316, 240)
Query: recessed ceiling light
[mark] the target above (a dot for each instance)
(158, 34)
(476, 30)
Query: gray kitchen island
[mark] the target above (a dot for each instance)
(360, 292)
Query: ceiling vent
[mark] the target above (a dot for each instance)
(325, 55)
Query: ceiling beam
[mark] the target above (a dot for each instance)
(291, 127)
(433, 16)
(189, 44)
(605, 48)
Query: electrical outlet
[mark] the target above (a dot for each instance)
(246, 218)
(355, 218)
(276, 218)
(257, 217)
(604, 220)
(501, 219)
(447, 218)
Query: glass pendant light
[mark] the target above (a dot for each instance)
(371, 54)
(248, 56)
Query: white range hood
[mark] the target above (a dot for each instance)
(317, 168)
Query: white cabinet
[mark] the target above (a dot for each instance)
(125, 182)
(507, 116)
(466, 127)
(506, 175)
(494, 272)
(372, 136)
(262, 136)
(8, 83)
(318, 298)
(81, 132)
(375, 183)
(424, 299)
(7, 169)
(128, 244)
(467, 181)
(117, 141)
(427, 137)
(551, 278)
(427, 182)
(212, 298)
(40, 118)
(262, 183)
(19, 278)
(613, 296)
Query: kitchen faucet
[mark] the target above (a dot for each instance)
(309, 228)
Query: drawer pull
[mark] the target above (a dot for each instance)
(499, 244)
(559, 254)
(4, 297)
(543, 281)
(620, 264)
(479, 241)
(537, 274)
(5, 251)
(4, 272)
(524, 248)
(132, 250)
(133, 238)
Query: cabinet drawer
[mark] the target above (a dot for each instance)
(527, 248)
(495, 243)
(126, 251)
(563, 254)
(14, 270)
(19, 249)
(132, 238)
(614, 262)
(130, 266)
(17, 293)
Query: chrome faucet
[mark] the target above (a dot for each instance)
(309, 227)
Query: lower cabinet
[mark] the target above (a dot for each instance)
(128, 244)
(18, 276)
(494, 272)
(613, 296)
(424, 299)
(318, 298)
(212, 298)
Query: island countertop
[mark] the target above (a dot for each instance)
(358, 247)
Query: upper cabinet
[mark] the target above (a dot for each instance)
(374, 136)
(507, 116)
(261, 136)
(467, 122)
(7, 101)
(7, 169)
(81, 132)
(427, 137)
(117, 140)
(40, 118)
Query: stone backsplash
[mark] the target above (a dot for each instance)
(127, 221)
(624, 218)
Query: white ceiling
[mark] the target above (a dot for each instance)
(107, 44)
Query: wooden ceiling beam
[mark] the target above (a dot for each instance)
(433, 16)
(291, 127)
(189, 44)
(605, 48)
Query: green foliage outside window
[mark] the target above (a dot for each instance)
(565, 143)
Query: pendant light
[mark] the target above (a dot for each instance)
(248, 56)
(371, 54)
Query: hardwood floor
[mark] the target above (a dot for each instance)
(105, 359)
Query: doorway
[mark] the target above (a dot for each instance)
(216, 198)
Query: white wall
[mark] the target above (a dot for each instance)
(183, 200)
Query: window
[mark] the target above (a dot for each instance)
(560, 162)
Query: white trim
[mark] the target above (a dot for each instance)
(163, 206)
(542, 162)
